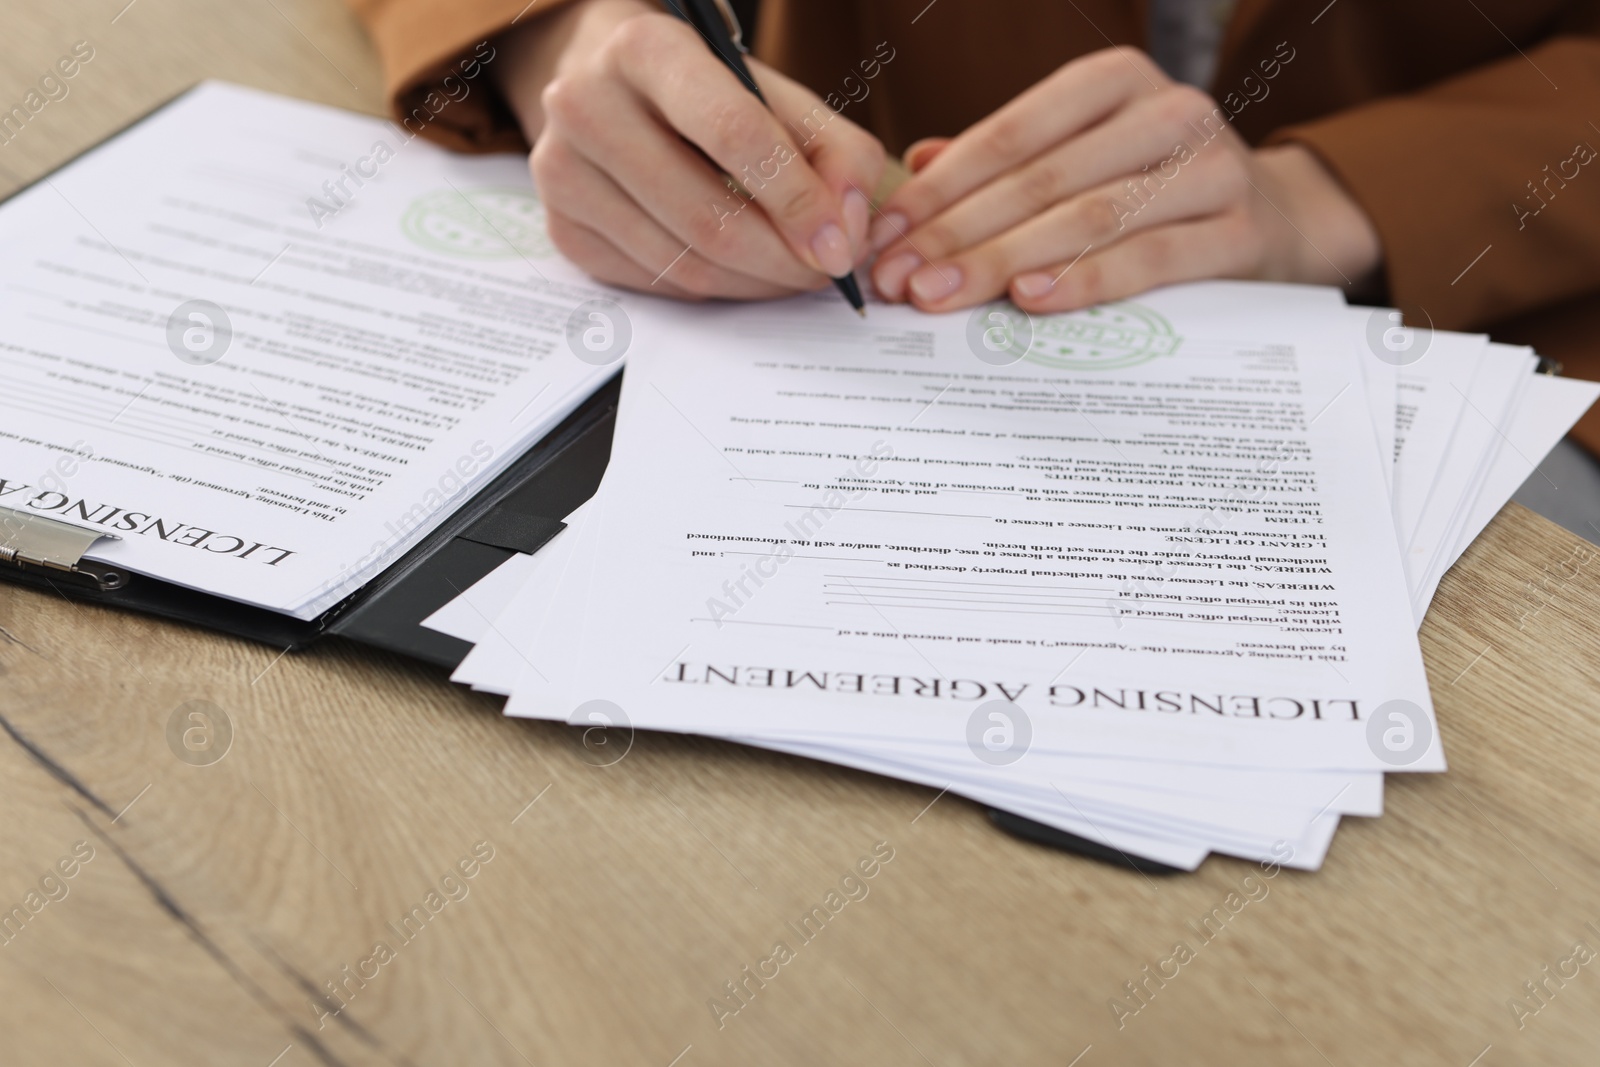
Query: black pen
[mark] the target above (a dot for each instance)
(716, 22)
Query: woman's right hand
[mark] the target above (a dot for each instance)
(635, 122)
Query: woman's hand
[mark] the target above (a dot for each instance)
(1103, 180)
(634, 123)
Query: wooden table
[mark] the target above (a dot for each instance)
(223, 901)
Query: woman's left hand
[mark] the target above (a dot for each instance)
(1102, 181)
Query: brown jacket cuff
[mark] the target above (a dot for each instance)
(436, 56)
(1444, 175)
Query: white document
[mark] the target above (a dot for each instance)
(1245, 827)
(1369, 328)
(1549, 408)
(1485, 404)
(1153, 797)
(1432, 397)
(1520, 366)
(513, 643)
(1173, 504)
(371, 367)
(471, 616)
(1345, 792)
(1167, 836)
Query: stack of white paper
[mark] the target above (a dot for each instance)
(1149, 573)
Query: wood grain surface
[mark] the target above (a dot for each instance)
(211, 908)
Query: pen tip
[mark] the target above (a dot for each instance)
(862, 312)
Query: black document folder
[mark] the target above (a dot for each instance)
(518, 512)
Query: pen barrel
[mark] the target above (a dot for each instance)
(712, 24)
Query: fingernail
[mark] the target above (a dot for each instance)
(890, 276)
(856, 212)
(832, 250)
(1031, 285)
(934, 282)
(885, 228)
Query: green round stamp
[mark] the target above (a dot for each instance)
(479, 224)
(1107, 337)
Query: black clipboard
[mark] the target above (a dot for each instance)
(519, 511)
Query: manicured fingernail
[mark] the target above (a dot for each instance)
(886, 228)
(1032, 285)
(856, 212)
(934, 282)
(890, 276)
(832, 250)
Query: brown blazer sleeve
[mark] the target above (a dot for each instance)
(434, 56)
(1485, 187)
